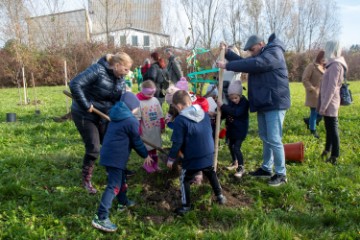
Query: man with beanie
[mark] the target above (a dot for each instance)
(269, 96)
(173, 67)
(236, 113)
(121, 136)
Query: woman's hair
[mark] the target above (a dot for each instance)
(158, 59)
(181, 97)
(148, 84)
(234, 49)
(332, 49)
(320, 56)
(119, 57)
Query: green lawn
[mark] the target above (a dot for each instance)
(41, 195)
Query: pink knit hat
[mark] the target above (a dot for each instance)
(170, 93)
(182, 84)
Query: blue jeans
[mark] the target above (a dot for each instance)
(116, 187)
(313, 118)
(270, 131)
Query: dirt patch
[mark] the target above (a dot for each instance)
(161, 192)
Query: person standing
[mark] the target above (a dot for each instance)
(192, 135)
(173, 67)
(311, 80)
(329, 99)
(99, 86)
(269, 96)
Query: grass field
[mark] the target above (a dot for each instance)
(41, 195)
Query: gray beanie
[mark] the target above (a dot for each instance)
(252, 40)
(235, 87)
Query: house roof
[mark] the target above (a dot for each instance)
(135, 29)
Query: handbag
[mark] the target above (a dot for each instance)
(345, 93)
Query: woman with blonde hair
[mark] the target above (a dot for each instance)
(99, 86)
(329, 100)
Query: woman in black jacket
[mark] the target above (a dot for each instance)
(99, 86)
(158, 74)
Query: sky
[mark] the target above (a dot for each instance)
(349, 15)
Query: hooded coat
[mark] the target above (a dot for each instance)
(268, 83)
(311, 79)
(96, 85)
(121, 136)
(329, 99)
(192, 134)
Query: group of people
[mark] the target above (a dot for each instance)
(136, 117)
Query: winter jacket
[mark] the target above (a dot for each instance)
(329, 99)
(268, 83)
(121, 136)
(96, 85)
(158, 76)
(311, 79)
(237, 118)
(192, 134)
(174, 70)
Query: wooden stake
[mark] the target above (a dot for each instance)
(24, 83)
(218, 115)
(34, 87)
(66, 85)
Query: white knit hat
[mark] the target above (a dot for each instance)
(235, 87)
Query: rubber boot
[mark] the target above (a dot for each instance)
(87, 170)
(155, 164)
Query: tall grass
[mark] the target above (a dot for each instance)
(41, 196)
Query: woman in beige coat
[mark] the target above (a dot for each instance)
(329, 99)
(311, 79)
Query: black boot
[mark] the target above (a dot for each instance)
(314, 133)
(87, 170)
(332, 160)
(324, 155)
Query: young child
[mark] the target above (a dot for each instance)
(236, 113)
(122, 135)
(151, 121)
(192, 135)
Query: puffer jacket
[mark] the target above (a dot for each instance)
(268, 83)
(157, 75)
(97, 85)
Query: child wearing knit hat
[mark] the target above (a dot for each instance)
(236, 113)
(182, 84)
(152, 121)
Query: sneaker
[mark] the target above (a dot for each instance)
(104, 225)
(182, 210)
(277, 180)
(221, 199)
(129, 173)
(240, 171)
(123, 207)
(260, 173)
(233, 166)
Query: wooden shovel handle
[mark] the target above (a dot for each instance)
(95, 110)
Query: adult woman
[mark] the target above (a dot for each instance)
(311, 79)
(99, 86)
(329, 100)
(157, 74)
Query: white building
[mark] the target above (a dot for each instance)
(119, 22)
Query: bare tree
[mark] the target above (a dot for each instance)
(234, 14)
(254, 9)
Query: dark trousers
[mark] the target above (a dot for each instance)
(116, 187)
(188, 175)
(332, 136)
(235, 151)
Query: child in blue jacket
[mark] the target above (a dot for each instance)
(192, 134)
(236, 113)
(121, 136)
